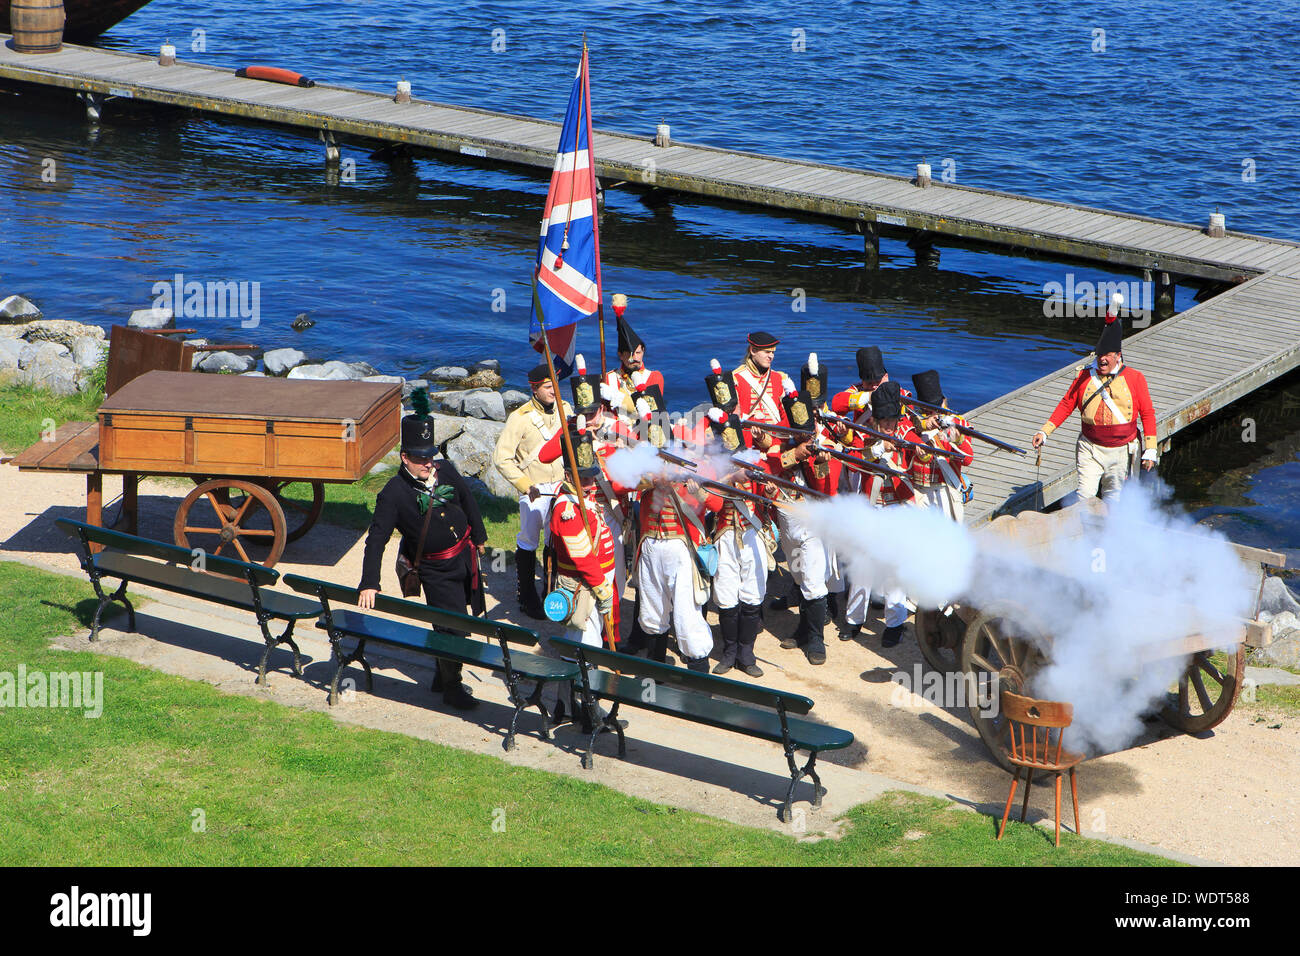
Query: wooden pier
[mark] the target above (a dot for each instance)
(1195, 363)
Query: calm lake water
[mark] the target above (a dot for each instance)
(1190, 106)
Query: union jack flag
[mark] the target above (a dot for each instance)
(566, 279)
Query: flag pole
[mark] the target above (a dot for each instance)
(595, 202)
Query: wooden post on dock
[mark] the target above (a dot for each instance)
(870, 244)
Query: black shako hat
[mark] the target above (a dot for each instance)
(628, 340)
(1112, 336)
(887, 401)
(539, 374)
(871, 364)
(927, 387)
(763, 340)
(417, 436)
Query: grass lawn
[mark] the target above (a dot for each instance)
(275, 785)
(24, 412)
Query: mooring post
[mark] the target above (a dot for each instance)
(1164, 303)
(923, 174)
(94, 105)
(167, 55)
(870, 244)
(662, 138)
(1218, 225)
(923, 245)
(403, 94)
(331, 147)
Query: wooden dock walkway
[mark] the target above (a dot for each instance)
(1183, 358)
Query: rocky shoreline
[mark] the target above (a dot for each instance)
(470, 403)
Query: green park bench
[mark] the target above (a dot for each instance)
(703, 699)
(439, 633)
(191, 572)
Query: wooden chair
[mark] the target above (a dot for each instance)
(1037, 728)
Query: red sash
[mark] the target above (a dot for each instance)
(456, 549)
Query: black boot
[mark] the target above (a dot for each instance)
(751, 617)
(834, 605)
(851, 632)
(891, 636)
(526, 570)
(657, 648)
(728, 627)
(698, 664)
(636, 639)
(800, 633)
(814, 648)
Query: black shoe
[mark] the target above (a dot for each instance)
(877, 603)
(892, 636)
(460, 697)
(723, 667)
(814, 657)
(851, 633)
(753, 670)
(790, 642)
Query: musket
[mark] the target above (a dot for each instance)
(755, 474)
(677, 459)
(778, 429)
(895, 439)
(862, 464)
(963, 428)
(725, 490)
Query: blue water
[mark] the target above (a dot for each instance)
(402, 267)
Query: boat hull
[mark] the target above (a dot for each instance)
(87, 19)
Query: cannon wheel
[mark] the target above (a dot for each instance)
(996, 654)
(940, 638)
(1206, 692)
(299, 515)
(225, 516)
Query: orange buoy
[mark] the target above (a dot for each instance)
(274, 74)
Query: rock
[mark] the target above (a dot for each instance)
(1277, 598)
(484, 379)
(8, 363)
(471, 455)
(10, 349)
(35, 352)
(254, 374)
(301, 322)
(152, 319)
(326, 371)
(385, 379)
(488, 405)
(17, 308)
(1276, 676)
(87, 351)
(1283, 652)
(449, 402)
(446, 427)
(226, 362)
(363, 369)
(380, 468)
(410, 385)
(491, 365)
(447, 374)
(58, 375)
(497, 485)
(513, 398)
(195, 342)
(282, 361)
(63, 331)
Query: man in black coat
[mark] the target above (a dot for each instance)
(455, 538)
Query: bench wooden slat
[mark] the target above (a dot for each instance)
(132, 544)
(704, 709)
(199, 584)
(453, 647)
(681, 677)
(444, 620)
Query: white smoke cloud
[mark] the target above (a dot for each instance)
(1111, 599)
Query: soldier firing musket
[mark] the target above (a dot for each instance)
(950, 419)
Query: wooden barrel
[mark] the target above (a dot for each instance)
(37, 25)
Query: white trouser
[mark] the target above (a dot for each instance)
(666, 585)
(1102, 466)
(742, 569)
(944, 497)
(807, 556)
(532, 517)
(858, 588)
(593, 631)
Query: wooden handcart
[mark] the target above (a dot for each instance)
(1001, 647)
(259, 451)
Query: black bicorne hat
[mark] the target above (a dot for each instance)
(887, 401)
(1112, 336)
(927, 387)
(871, 364)
(628, 340)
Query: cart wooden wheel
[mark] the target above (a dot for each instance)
(1000, 651)
(301, 501)
(940, 638)
(227, 517)
(1207, 690)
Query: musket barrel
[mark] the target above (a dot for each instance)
(931, 449)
